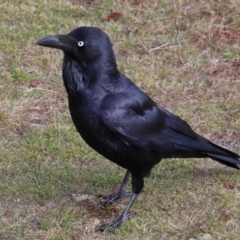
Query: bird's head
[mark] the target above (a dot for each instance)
(88, 58)
(85, 44)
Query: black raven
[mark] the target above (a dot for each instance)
(117, 119)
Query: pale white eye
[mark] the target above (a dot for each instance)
(80, 43)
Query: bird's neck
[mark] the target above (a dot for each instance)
(80, 77)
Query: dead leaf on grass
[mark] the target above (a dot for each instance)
(81, 197)
(228, 186)
(138, 4)
(112, 16)
(224, 216)
(36, 85)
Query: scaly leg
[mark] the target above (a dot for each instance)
(137, 186)
(124, 216)
(118, 195)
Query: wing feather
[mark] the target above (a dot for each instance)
(136, 120)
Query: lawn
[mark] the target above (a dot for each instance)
(184, 54)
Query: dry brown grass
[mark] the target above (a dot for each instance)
(184, 54)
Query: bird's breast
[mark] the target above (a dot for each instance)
(86, 118)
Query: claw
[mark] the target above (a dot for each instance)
(113, 225)
(124, 216)
(114, 198)
(109, 200)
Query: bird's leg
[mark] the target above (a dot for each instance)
(118, 195)
(124, 216)
(137, 186)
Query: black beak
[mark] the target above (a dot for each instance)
(63, 42)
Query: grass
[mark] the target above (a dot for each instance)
(184, 54)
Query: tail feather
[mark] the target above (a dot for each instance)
(189, 144)
(224, 156)
(228, 161)
(206, 148)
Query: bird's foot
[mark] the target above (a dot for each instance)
(115, 224)
(114, 198)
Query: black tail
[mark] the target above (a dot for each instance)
(188, 144)
(201, 147)
(224, 156)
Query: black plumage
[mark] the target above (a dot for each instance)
(117, 119)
